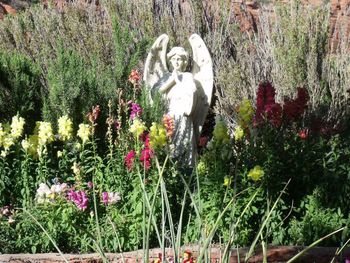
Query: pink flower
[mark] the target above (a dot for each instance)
(110, 197)
(134, 77)
(135, 109)
(79, 198)
(129, 159)
(90, 185)
(145, 158)
(105, 198)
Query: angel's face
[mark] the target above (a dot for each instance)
(178, 62)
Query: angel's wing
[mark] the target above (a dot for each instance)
(155, 66)
(202, 71)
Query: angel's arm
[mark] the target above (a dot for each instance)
(169, 83)
(191, 97)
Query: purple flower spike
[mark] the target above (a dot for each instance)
(136, 110)
(79, 198)
(105, 198)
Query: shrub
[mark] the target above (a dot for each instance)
(315, 222)
(20, 87)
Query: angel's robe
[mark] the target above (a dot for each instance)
(181, 102)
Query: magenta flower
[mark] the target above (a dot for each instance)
(129, 159)
(79, 198)
(136, 110)
(145, 158)
(105, 198)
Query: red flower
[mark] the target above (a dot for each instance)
(303, 134)
(144, 137)
(303, 96)
(168, 122)
(274, 114)
(294, 109)
(159, 259)
(266, 106)
(187, 258)
(203, 141)
(134, 77)
(266, 95)
(129, 159)
(145, 158)
(93, 115)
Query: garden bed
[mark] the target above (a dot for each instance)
(276, 254)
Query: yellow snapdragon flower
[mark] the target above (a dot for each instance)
(25, 144)
(245, 113)
(239, 133)
(84, 132)
(8, 142)
(157, 136)
(137, 127)
(220, 132)
(76, 168)
(17, 126)
(45, 134)
(30, 145)
(201, 167)
(33, 141)
(256, 173)
(65, 128)
(2, 134)
(227, 181)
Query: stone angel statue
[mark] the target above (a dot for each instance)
(188, 94)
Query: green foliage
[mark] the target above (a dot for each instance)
(73, 87)
(20, 89)
(85, 60)
(315, 222)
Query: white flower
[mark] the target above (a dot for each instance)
(42, 193)
(113, 198)
(58, 188)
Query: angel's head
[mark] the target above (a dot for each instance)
(178, 58)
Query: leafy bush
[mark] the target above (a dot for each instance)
(20, 90)
(315, 222)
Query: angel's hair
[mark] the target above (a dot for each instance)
(178, 51)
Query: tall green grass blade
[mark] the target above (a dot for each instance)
(118, 241)
(340, 250)
(47, 234)
(204, 247)
(293, 259)
(227, 247)
(252, 247)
